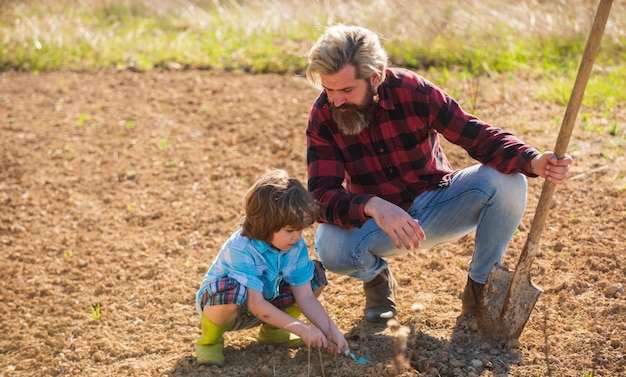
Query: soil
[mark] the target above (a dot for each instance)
(118, 188)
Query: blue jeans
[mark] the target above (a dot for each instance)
(479, 197)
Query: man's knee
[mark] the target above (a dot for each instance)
(513, 192)
(509, 187)
(328, 258)
(327, 250)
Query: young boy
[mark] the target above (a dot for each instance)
(263, 275)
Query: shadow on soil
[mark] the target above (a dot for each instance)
(424, 353)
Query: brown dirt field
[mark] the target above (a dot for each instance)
(119, 188)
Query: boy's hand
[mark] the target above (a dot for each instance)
(314, 338)
(337, 343)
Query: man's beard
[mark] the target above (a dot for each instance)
(355, 118)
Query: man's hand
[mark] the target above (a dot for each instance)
(402, 229)
(548, 166)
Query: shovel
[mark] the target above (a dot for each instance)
(358, 360)
(350, 354)
(509, 296)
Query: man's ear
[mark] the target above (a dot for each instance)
(375, 80)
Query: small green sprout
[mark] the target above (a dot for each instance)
(614, 129)
(129, 174)
(82, 119)
(70, 152)
(163, 144)
(95, 311)
(129, 124)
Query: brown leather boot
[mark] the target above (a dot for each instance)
(380, 305)
(471, 294)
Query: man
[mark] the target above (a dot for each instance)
(377, 169)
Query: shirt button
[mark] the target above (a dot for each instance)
(381, 150)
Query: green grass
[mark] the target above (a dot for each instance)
(480, 37)
(274, 36)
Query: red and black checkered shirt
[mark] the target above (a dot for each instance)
(399, 155)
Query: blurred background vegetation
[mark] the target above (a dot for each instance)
(472, 37)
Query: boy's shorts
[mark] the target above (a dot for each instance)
(227, 290)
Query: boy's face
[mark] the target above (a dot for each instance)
(286, 238)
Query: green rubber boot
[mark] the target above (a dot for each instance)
(278, 337)
(210, 345)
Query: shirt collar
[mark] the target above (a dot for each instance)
(263, 247)
(384, 94)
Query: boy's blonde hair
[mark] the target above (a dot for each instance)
(276, 201)
(341, 45)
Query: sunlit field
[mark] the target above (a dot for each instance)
(130, 131)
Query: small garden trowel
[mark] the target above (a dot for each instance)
(360, 360)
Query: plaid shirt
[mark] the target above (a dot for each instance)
(399, 155)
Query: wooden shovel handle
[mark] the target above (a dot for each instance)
(571, 112)
(591, 49)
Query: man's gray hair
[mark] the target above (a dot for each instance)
(341, 45)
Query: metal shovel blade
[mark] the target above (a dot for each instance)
(506, 304)
(359, 360)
